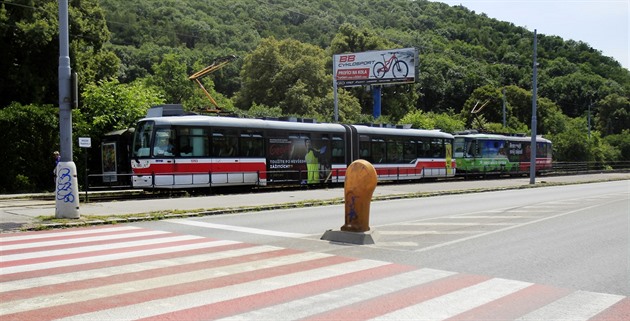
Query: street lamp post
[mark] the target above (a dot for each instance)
(532, 158)
(67, 187)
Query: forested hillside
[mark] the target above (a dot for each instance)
(131, 54)
(459, 50)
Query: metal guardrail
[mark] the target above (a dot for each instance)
(560, 168)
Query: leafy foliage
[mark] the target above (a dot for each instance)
(621, 142)
(447, 122)
(29, 36)
(30, 142)
(614, 114)
(110, 105)
(283, 73)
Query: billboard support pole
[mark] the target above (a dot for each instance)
(336, 100)
(376, 96)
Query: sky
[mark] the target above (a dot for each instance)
(603, 24)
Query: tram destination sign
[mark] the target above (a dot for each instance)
(394, 66)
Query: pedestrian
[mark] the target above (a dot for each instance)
(57, 158)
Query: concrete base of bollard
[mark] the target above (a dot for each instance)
(360, 238)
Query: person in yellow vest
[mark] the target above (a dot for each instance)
(312, 162)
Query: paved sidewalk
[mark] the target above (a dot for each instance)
(23, 213)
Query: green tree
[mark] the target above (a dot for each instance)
(264, 111)
(614, 114)
(440, 80)
(621, 142)
(447, 122)
(171, 77)
(488, 101)
(418, 119)
(110, 105)
(323, 108)
(283, 73)
(575, 145)
(30, 142)
(30, 55)
(575, 92)
(352, 39)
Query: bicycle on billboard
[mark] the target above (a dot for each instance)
(399, 68)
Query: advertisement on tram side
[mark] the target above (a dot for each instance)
(301, 159)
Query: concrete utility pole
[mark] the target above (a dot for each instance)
(67, 187)
(504, 122)
(532, 158)
(589, 118)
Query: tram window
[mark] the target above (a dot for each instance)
(142, 139)
(324, 146)
(251, 145)
(492, 148)
(460, 147)
(378, 151)
(541, 149)
(437, 148)
(163, 144)
(338, 152)
(424, 148)
(394, 151)
(410, 151)
(224, 143)
(364, 148)
(193, 142)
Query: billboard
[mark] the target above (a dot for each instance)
(394, 66)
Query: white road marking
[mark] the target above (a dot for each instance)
(504, 229)
(458, 224)
(454, 303)
(576, 306)
(239, 229)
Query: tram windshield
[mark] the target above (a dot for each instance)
(463, 147)
(142, 140)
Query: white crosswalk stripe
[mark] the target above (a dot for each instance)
(129, 273)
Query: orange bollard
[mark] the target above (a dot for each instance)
(358, 189)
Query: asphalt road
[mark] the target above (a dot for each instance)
(550, 253)
(574, 236)
(20, 211)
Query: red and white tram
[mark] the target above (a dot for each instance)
(194, 151)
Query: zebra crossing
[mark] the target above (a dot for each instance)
(132, 273)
